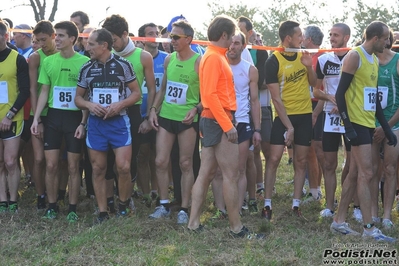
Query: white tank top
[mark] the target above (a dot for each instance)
(241, 84)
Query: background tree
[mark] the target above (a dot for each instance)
(39, 8)
(365, 14)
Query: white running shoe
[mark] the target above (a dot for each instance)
(378, 235)
(159, 212)
(343, 229)
(182, 217)
(326, 213)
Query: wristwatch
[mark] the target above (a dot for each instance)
(10, 115)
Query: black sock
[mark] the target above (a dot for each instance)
(11, 202)
(72, 208)
(122, 206)
(5, 203)
(103, 214)
(61, 194)
(184, 209)
(356, 207)
(52, 206)
(166, 205)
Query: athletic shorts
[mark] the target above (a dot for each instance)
(148, 137)
(175, 127)
(26, 133)
(244, 132)
(15, 130)
(210, 132)
(302, 130)
(364, 134)
(62, 124)
(111, 133)
(331, 142)
(318, 126)
(266, 123)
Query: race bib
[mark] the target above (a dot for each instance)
(63, 98)
(370, 98)
(105, 96)
(176, 93)
(158, 82)
(383, 96)
(3, 92)
(333, 123)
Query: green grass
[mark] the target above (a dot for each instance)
(26, 239)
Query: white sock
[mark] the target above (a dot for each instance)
(165, 201)
(268, 202)
(296, 202)
(260, 185)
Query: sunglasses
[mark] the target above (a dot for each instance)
(177, 36)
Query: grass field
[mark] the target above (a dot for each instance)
(26, 239)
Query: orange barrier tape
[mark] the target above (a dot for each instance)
(206, 43)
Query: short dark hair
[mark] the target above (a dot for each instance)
(247, 21)
(9, 22)
(287, 28)
(3, 28)
(142, 28)
(375, 29)
(84, 18)
(103, 35)
(70, 27)
(220, 24)
(44, 26)
(345, 28)
(116, 24)
(183, 24)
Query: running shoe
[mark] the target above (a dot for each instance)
(100, 220)
(326, 213)
(72, 217)
(245, 205)
(245, 233)
(198, 230)
(376, 220)
(343, 229)
(3, 207)
(50, 214)
(377, 235)
(267, 213)
(309, 198)
(182, 217)
(13, 208)
(160, 212)
(387, 224)
(124, 213)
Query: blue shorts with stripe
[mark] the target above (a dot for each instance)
(111, 133)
